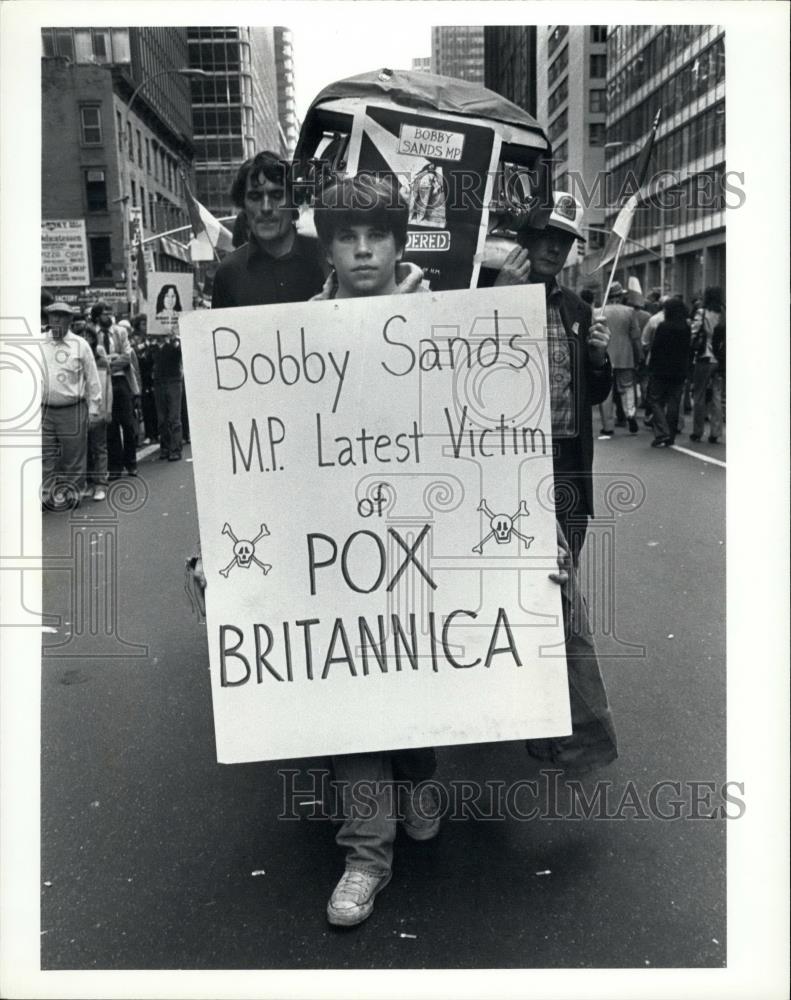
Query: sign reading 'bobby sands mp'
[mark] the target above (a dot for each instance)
(369, 475)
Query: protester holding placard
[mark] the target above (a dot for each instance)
(362, 227)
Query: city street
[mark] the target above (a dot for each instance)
(154, 856)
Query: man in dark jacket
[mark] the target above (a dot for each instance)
(579, 368)
(275, 264)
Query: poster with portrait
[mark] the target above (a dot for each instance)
(169, 295)
(446, 168)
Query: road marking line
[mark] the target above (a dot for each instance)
(697, 454)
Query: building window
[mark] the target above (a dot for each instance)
(95, 191)
(598, 65)
(134, 194)
(596, 133)
(558, 95)
(101, 257)
(130, 152)
(598, 100)
(99, 46)
(139, 149)
(91, 122)
(561, 153)
(598, 33)
(559, 125)
(557, 36)
(148, 157)
(152, 211)
(119, 125)
(143, 205)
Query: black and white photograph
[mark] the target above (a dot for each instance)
(429, 643)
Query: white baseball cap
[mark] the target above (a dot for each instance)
(566, 214)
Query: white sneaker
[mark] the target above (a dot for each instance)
(100, 494)
(353, 898)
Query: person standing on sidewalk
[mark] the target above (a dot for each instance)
(70, 405)
(667, 369)
(145, 358)
(122, 432)
(97, 475)
(168, 386)
(708, 348)
(625, 355)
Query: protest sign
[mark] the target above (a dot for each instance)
(446, 167)
(64, 253)
(369, 476)
(169, 295)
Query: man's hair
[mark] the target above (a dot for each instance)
(138, 321)
(270, 165)
(675, 312)
(712, 299)
(364, 200)
(97, 309)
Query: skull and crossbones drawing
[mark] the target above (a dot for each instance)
(503, 527)
(244, 550)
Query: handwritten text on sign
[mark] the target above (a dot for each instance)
(372, 529)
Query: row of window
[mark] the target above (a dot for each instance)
(598, 65)
(670, 41)
(597, 99)
(217, 121)
(158, 213)
(225, 149)
(557, 67)
(216, 55)
(693, 80)
(698, 197)
(703, 134)
(157, 161)
(85, 45)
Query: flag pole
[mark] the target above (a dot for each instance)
(612, 273)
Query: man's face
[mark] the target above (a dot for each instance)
(59, 323)
(268, 216)
(364, 258)
(548, 250)
(142, 328)
(105, 318)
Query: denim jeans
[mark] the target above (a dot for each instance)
(706, 375)
(368, 805)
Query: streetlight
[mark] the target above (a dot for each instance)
(126, 150)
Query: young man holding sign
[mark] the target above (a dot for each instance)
(362, 224)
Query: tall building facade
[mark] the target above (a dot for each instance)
(457, 50)
(571, 71)
(680, 69)
(286, 97)
(510, 63)
(100, 155)
(234, 108)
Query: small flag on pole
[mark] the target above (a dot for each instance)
(623, 222)
(210, 235)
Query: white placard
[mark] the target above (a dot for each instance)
(64, 253)
(376, 550)
(433, 143)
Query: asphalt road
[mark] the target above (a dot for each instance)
(154, 856)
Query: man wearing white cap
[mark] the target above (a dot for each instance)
(579, 369)
(580, 376)
(71, 402)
